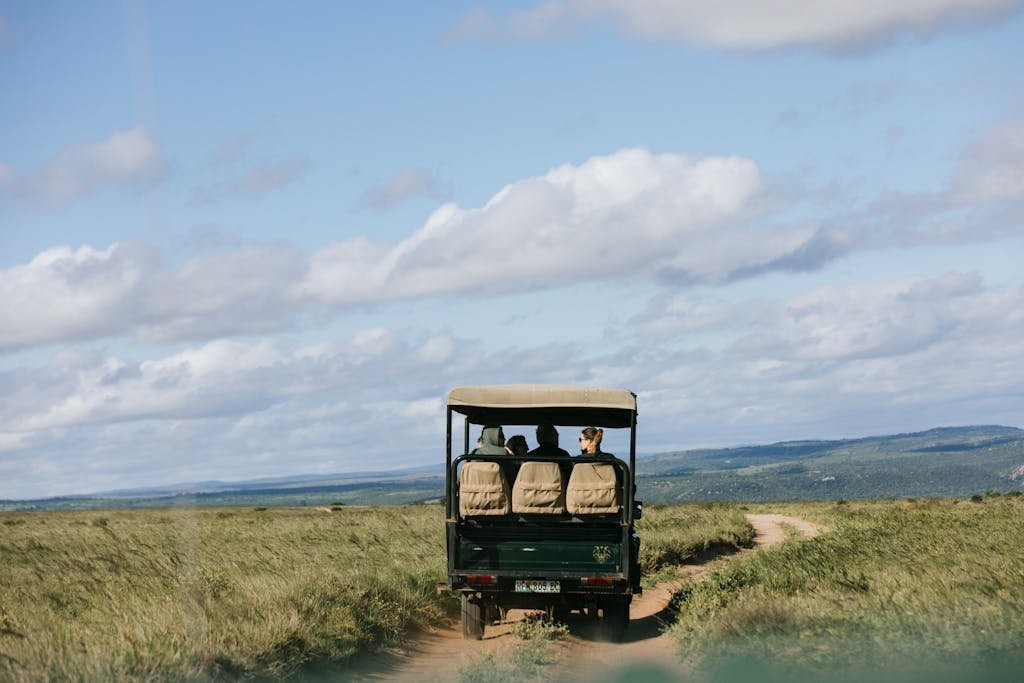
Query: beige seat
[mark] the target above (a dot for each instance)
(483, 489)
(593, 489)
(539, 489)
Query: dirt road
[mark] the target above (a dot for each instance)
(439, 654)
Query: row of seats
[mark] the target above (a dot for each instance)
(539, 489)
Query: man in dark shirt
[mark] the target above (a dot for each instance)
(547, 440)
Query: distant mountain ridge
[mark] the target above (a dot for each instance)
(946, 461)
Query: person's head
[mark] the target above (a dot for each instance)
(492, 436)
(590, 440)
(547, 435)
(517, 445)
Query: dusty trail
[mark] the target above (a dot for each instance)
(438, 654)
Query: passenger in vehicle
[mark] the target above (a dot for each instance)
(590, 442)
(594, 488)
(492, 442)
(516, 445)
(547, 442)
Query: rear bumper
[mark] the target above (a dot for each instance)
(571, 587)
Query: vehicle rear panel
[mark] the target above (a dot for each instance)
(596, 553)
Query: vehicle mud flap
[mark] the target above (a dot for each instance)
(472, 619)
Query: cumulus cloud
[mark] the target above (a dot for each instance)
(64, 293)
(745, 25)
(231, 409)
(567, 226)
(86, 293)
(874, 320)
(405, 184)
(684, 214)
(672, 219)
(868, 357)
(830, 323)
(129, 158)
(836, 361)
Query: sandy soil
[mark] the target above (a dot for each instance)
(439, 654)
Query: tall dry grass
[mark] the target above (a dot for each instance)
(186, 594)
(672, 535)
(891, 588)
(190, 594)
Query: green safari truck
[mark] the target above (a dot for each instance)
(541, 530)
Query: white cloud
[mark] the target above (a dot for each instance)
(838, 361)
(672, 219)
(233, 410)
(878, 319)
(746, 25)
(85, 293)
(127, 158)
(69, 294)
(611, 216)
(870, 357)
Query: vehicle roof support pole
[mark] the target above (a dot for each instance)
(632, 467)
(448, 466)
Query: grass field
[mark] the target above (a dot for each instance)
(180, 594)
(909, 587)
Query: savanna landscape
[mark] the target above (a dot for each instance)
(887, 588)
(247, 248)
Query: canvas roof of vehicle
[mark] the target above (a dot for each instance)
(537, 403)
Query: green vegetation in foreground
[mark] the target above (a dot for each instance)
(671, 535)
(198, 593)
(189, 594)
(892, 587)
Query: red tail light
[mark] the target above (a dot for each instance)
(481, 579)
(596, 580)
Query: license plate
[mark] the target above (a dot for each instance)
(538, 587)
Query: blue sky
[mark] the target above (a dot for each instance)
(245, 240)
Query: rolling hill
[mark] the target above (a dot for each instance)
(948, 461)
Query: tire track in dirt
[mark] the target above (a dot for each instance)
(438, 654)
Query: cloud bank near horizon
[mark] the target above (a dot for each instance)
(940, 350)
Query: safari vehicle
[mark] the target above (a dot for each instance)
(541, 531)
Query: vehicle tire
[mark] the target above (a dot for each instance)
(560, 614)
(615, 620)
(472, 619)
